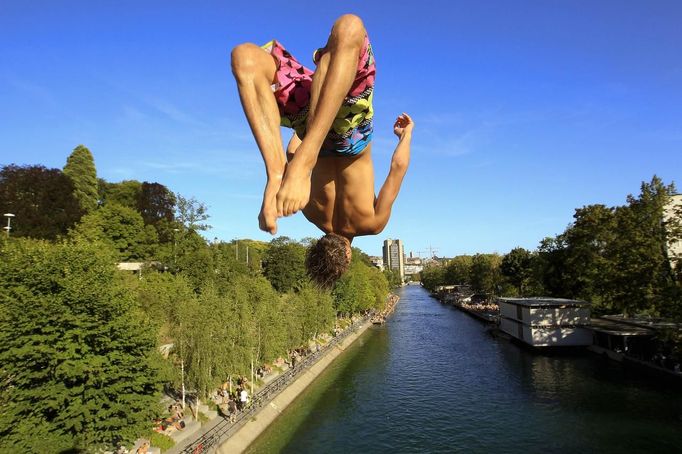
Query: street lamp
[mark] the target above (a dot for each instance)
(175, 245)
(8, 227)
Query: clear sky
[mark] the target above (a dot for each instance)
(524, 110)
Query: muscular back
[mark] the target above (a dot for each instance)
(342, 195)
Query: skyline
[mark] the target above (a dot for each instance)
(522, 114)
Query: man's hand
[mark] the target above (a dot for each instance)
(403, 125)
(294, 194)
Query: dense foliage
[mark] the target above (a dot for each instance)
(79, 340)
(615, 257)
(77, 362)
(41, 199)
(80, 168)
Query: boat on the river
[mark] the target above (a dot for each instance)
(546, 322)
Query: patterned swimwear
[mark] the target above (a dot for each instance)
(352, 128)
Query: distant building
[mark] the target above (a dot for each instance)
(674, 211)
(377, 261)
(394, 256)
(546, 322)
(413, 266)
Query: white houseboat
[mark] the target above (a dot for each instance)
(546, 322)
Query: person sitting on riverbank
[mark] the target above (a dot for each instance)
(143, 448)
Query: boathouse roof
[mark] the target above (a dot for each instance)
(544, 302)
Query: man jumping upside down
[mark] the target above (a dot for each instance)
(329, 175)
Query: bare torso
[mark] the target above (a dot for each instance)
(342, 195)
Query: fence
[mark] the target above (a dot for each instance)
(215, 436)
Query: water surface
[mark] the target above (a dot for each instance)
(433, 380)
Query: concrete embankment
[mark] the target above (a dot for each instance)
(252, 429)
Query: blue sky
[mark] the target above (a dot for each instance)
(524, 110)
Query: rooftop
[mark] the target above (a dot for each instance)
(619, 328)
(539, 301)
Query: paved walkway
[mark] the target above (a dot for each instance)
(268, 402)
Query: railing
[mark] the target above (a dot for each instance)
(225, 429)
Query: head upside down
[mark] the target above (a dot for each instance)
(327, 259)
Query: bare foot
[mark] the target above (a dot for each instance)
(294, 193)
(267, 218)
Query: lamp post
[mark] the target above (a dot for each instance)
(8, 227)
(175, 245)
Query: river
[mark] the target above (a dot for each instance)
(433, 380)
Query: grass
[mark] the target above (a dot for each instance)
(161, 441)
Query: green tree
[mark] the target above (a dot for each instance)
(458, 270)
(517, 267)
(313, 313)
(379, 285)
(121, 228)
(485, 273)
(433, 276)
(41, 199)
(80, 167)
(550, 268)
(191, 213)
(353, 292)
(125, 193)
(284, 264)
(193, 258)
(392, 277)
(156, 204)
(642, 279)
(206, 337)
(161, 297)
(79, 367)
(586, 261)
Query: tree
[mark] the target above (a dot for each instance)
(193, 258)
(80, 167)
(642, 278)
(517, 267)
(313, 313)
(191, 213)
(550, 268)
(156, 204)
(353, 292)
(433, 276)
(79, 367)
(379, 285)
(121, 228)
(392, 277)
(485, 273)
(42, 200)
(458, 270)
(586, 262)
(125, 193)
(284, 264)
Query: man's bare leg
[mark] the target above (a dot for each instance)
(331, 83)
(254, 70)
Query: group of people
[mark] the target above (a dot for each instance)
(229, 402)
(172, 423)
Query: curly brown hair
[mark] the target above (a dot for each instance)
(327, 259)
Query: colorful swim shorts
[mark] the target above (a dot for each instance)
(352, 128)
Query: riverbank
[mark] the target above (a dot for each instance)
(241, 439)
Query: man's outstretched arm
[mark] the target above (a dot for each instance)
(399, 164)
